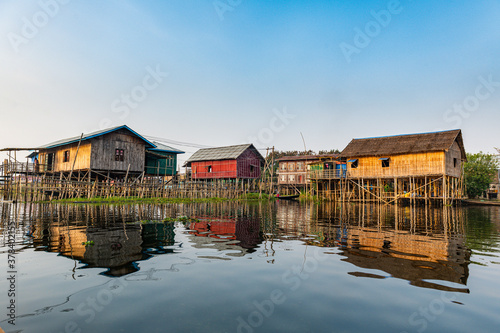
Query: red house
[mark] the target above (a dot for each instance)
(231, 162)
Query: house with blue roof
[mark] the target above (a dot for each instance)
(112, 152)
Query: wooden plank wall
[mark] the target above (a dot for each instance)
(82, 159)
(103, 152)
(220, 169)
(454, 153)
(248, 165)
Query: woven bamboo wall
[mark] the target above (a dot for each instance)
(423, 164)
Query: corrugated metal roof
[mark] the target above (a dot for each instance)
(93, 135)
(404, 144)
(160, 147)
(221, 153)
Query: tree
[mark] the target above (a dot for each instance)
(479, 171)
(329, 152)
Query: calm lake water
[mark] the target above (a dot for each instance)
(277, 267)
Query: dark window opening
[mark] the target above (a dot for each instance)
(354, 164)
(454, 162)
(66, 156)
(252, 169)
(119, 155)
(385, 163)
(209, 168)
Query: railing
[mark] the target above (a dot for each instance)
(19, 167)
(327, 174)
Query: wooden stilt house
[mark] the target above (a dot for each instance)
(296, 173)
(415, 166)
(115, 152)
(231, 162)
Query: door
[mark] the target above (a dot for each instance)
(50, 161)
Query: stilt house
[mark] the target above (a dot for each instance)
(231, 162)
(114, 151)
(415, 165)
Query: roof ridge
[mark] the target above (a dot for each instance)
(241, 145)
(87, 136)
(409, 134)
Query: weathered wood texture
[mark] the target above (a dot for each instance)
(97, 154)
(292, 172)
(453, 161)
(248, 165)
(103, 152)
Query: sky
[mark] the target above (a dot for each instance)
(216, 73)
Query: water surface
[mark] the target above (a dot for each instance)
(233, 267)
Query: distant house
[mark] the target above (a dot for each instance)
(296, 170)
(494, 188)
(415, 155)
(231, 162)
(115, 151)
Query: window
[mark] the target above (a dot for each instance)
(385, 162)
(454, 162)
(119, 155)
(252, 169)
(300, 165)
(354, 163)
(209, 168)
(66, 156)
(283, 166)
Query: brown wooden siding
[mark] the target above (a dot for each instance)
(103, 152)
(454, 161)
(248, 165)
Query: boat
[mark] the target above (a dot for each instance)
(288, 197)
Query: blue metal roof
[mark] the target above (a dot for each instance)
(162, 148)
(96, 134)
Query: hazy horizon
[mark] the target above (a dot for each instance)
(218, 73)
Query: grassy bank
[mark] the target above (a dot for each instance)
(131, 200)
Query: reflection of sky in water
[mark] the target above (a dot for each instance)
(357, 268)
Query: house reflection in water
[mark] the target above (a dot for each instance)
(425, 246)
(233, 236)
(112, 245)
(114, 248)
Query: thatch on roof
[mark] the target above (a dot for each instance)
(222, 153)
(404, 144)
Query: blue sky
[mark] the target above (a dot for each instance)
(227, 72)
